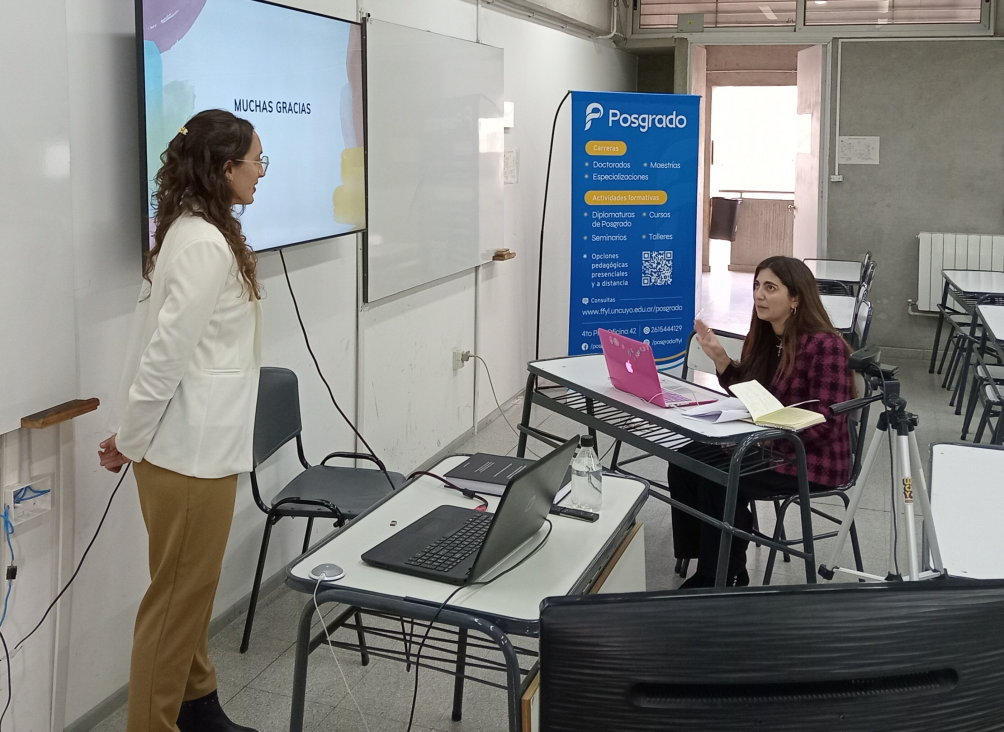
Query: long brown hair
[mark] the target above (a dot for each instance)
(191, 180)
(809, 317)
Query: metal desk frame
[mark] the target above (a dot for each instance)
(497, 628)
(967, 300)
(624, 422)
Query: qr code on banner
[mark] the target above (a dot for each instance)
(656, 268)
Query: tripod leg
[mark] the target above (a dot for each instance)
(930, 535)
(896, 509)
(855, 495)
(902, 454)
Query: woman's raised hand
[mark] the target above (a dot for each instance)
(110, 457)
(712, 346)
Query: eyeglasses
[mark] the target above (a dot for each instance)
(263, 163)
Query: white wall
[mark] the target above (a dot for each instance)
(411, 403)
(410, 339)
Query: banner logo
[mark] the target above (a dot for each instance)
(593, 111)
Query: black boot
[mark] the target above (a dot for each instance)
(206, 715)
(698, 580)
(740, 579)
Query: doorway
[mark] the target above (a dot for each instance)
(754, 141)
(761, 124)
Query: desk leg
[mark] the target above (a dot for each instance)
(458, 684)
(805, 508)
(513, 682)
(300, 668)
(941, 322)
(731, 497)
(525, 421)
(960, 388)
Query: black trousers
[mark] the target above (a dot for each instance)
(693, 538)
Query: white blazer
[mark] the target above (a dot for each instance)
(189, 387)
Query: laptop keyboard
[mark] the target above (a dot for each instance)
(446, 553)
(671, 396)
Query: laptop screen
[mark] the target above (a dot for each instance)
(524, 507)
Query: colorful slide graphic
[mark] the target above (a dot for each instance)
(296, 76)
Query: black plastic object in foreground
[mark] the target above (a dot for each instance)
(924, 657)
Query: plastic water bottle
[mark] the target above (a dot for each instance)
(587, 476)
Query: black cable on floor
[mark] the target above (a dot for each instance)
(499, 405)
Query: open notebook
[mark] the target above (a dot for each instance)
(755, 403)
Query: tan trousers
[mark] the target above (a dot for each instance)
(188, 520)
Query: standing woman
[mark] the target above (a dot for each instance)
(185, 413)
(794, 351)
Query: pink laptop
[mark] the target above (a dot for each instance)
(631, 366)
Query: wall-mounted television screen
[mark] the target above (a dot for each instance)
(295, 75)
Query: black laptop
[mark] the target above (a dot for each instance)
(459, 545)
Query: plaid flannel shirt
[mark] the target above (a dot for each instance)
(821, 373)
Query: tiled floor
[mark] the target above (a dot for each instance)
(256, 686)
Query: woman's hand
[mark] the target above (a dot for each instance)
(712, 346)
(110, 457)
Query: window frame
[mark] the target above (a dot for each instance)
(802, 33)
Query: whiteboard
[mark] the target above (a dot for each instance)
(435, 140)
(37, 329)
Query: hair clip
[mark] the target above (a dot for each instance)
(183, 130)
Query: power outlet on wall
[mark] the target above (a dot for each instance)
(458, 360)
(25, 501)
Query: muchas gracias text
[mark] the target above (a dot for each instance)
(268, 106)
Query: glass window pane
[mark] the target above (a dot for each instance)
(890, 12)
(719, 13)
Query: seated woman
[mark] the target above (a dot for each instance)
(795, 352)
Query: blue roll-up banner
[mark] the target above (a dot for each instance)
(634, 220)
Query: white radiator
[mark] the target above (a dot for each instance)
(953, 251)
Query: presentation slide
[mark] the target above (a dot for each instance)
(296, 76)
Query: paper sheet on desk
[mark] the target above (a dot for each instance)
(728, 409)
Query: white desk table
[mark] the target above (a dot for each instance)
(988, 355)
(574, 555)
(965, 286)
(720, 452)
(993, 320)
(846, 272)
(967, 502)
(840, 308)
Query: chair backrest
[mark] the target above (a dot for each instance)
(277, 418)
(862, 324)
(832, 287)
(857, 424)
(868, 274)
(698, 360)
(819, 658)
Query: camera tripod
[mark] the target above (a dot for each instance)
(897, 426)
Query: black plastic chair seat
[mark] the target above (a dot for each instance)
(350, 489)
